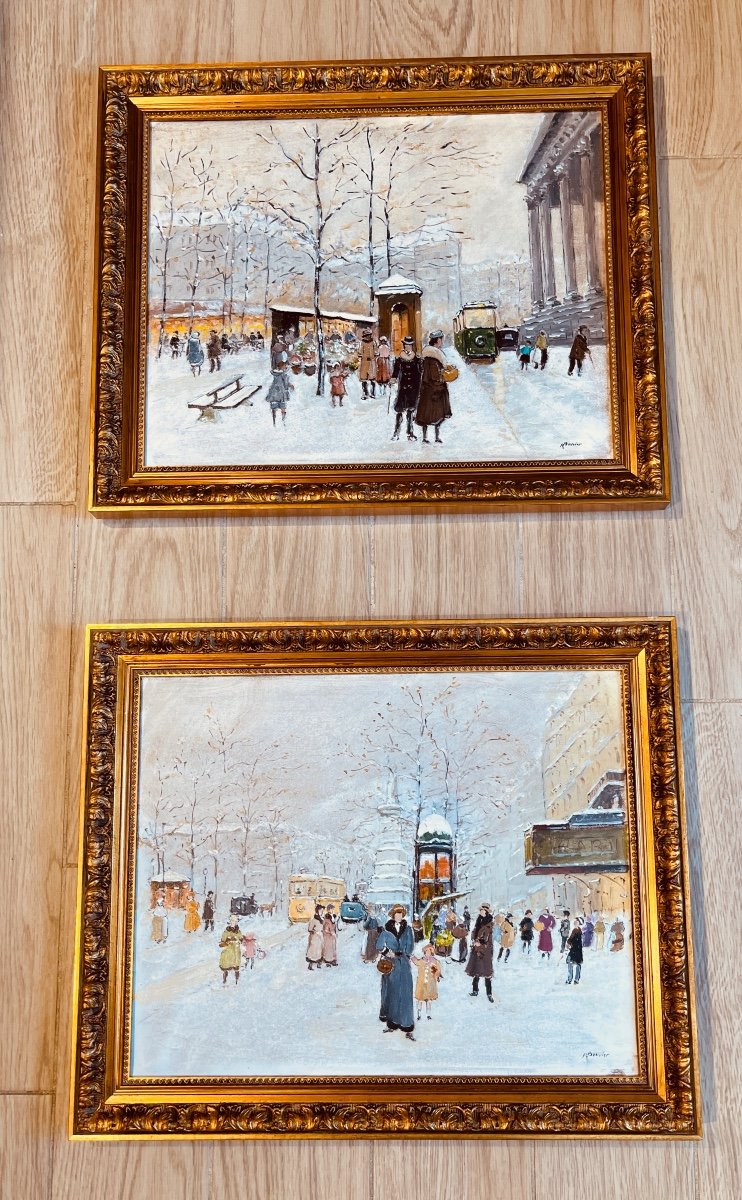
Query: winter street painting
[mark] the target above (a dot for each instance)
(382, 873)
(409, 290)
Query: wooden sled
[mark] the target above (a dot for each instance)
(217, 401)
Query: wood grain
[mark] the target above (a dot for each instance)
(614, 1171)
(474, 1170)
(25, 1160)
(696, 61)
(580, 27)
(713, 769)
(292, 1171)
(36, 550)
(166, 32)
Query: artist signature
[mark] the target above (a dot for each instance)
(565, 444)
(595, 1054)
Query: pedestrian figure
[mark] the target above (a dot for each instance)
(214, 351)
(507, 937)
(192, 920)
(461, 932)
(599, 932)
(372, 925)
(230, 946)
(397, 942)
(174, 345)
(338, 374)
(159, 922)
(587, 933)
(314, 940)
(195, 352)
(617, 932)
(526, 931)
(466, 917)
(524, 351)
(542, 345)
(574, 954)
(564, 928)
(208, 912)
(407, 372)
(433, 405)
(479, 965)
(579, 350)
(279, 394)
(279, 354)
(367, 365)
(329, 939)
(383, 363)
(547, 923)
(428, 975)
(249, 948)
(224, 342)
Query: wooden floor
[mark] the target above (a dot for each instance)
(63, 568)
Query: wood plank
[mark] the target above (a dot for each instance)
(292, 1171)
(573, 27)
(114, 1170)
(35, 604)
(444, 566)
(700, 209)
(698, 96)
(614, 1170)
(296, 568)
(25, 1160)
(46, 171)
(136, 570)
(713, 768)
(472, 1170)
(166, 32)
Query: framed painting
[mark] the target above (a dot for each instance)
(326, 287)
(453, 902)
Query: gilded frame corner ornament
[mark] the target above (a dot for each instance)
(663, 1100)
(620, 85)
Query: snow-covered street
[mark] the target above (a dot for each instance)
(537, 1026)
(500, 413)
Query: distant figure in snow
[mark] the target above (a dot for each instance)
(192, 920)
(159, 922)
(547, 923)
(466, 916)
(564, 928)
(214, 351)
(279, 393)
(249, 948)
(208, 912)
(480, 956)
(279, 354)
(329, 939)
(367, 365)
(224, 341)
(407, 372)
(599, 932)
(579, 351)
(587, 933)
(542, 346)
(433, 405)
(195, 352)
(507, 937)
(428, 975)
(397, 942)
(526, 931)
(338, 374)
(230, 944)
(617, 931)
(574, 954)
(174, 345)
(372, 925)
(524, 351)
(383, 363)
(314, 940)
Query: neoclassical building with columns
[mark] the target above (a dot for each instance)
(563, 179)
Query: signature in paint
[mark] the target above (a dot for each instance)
(565, 444)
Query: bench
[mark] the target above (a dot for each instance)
(230, 394)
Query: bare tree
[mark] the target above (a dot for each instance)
(196, 243)
(191, 773)
(165, 213)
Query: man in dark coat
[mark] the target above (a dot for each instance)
(397, 942)
(564, 928)
(579, 350)
(208, 912)
(526, 931)
(407, 371)
(574, 954)
(433, 406)
(372, 925)
(480, 958)
(214, 351)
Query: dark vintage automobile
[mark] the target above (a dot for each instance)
(474, 332)
(352, 911)
(243, 906)
(507, 338)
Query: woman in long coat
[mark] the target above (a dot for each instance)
(574, 954)
(367, 365)
(329, 940)
(314, 941)
(545, 943)
(479, 965)
(397, 942)
(433, 406)
(617, 930)
(230, 944)
(507, 937)
(372, 925)
(192, 919)
(407, 371)
(159, 921)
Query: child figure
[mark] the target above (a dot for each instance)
(249, 948)
(338, 376)
(428, 975)
(524, 352)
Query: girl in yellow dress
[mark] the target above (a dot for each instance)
(428, 975)
(192, 919)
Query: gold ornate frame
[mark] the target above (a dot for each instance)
(619, 86)
(661, 1100)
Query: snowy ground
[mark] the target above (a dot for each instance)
(281, 1020)
(500, 413)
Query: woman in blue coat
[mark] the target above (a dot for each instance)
(397, 942)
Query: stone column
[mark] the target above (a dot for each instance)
(594, 281)
(534, 237)
(548, 240)
(568, 233)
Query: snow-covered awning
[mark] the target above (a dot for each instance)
(398, 284)
(362, 318)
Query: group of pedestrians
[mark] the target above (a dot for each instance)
(216, 347)
(322, 938)
(536, 352)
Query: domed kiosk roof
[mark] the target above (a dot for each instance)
(434, 828)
